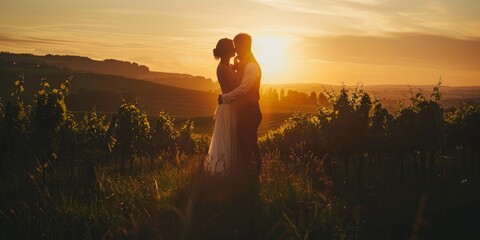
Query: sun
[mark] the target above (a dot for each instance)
(270, 53)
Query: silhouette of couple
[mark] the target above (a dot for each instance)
(233, 148)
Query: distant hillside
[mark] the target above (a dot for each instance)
(105, 91)
(103, 83)
(180, 80)
(107, 66)
(110, 67)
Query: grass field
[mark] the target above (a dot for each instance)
(168, 202)
(294, 201)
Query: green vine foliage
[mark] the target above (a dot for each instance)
(357, 128)
(69, 143)
(164, 138)
(48, 115)
(14, 130)
(353, 127)
(93, 131)
(463, 128)
(132, 132)
(186, 142)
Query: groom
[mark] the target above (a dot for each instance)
(247, 95)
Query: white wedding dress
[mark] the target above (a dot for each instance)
(223, 145)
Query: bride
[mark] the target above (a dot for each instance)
(223, 145)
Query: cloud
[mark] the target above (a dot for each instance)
(378, 17)
(367, 2)
(399, 49)
(303, 7)
(32, 40)
(42, 41)
(337, 17)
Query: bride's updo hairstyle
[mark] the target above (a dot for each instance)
(224, 48)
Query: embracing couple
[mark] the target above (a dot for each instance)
(233, 148)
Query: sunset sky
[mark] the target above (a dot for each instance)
(321, 41)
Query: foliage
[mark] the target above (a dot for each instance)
(300, 185)
(164, 138)
(355, 128)
(93, 131)
(462, 130)
(48, 114)
(186, 142)
(380, 120)
(297, 129)
(69, 138)
(464, 125)
(131, 133)
(14, 129)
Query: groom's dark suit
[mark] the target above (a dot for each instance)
(249, 115)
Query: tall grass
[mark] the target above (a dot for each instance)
(169, 202)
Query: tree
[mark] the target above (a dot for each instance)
(313, 98)
(322, 100)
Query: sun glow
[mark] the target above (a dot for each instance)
(270, 53)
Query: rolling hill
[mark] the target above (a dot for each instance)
(105, 91)
(109, 67)
(104, 83)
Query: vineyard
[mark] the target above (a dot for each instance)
(351, 170)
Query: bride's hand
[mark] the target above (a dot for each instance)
(220, 100)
